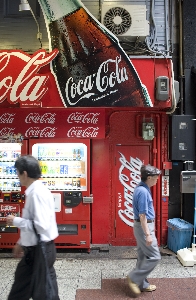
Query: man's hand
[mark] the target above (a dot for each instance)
(148, 240)
(145, 228)
(9, 220)
(18, 251)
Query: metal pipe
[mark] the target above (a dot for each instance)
(158, 185)
(181, 71)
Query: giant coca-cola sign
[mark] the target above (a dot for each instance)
(27, 80)
(55, 123)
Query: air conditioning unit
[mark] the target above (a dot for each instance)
(125, 21)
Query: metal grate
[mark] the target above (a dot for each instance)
(117, 20)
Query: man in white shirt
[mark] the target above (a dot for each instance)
(39, 207)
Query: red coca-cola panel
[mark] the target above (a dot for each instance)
(9, 209)
(129, 160)
(52, 123)
(27, 81)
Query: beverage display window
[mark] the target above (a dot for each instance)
(9, 181)
(63, 165)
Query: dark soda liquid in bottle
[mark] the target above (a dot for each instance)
(91, 68)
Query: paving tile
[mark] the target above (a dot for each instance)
(103, 277)
(115, 287)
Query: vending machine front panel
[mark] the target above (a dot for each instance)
(65, 166)
(11, 193)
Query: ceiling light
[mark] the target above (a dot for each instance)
(24, 5)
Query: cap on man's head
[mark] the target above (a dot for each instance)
(148, 170)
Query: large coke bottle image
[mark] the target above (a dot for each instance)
(91, 69)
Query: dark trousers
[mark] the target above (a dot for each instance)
(21, 287)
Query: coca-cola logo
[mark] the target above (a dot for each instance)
(6, 131)
(7, 118)
(23, 83)
(7, 208)
(39, 118)
(80, 117)
(129, 184)
(103, 81)
(79, 132)
(48, 132)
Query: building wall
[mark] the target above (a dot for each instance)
(18, 30)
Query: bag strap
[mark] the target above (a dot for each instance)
(38, 235)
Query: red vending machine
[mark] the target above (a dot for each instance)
(65, 166)
(11, 195)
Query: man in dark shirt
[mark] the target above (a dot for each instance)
(144, 231)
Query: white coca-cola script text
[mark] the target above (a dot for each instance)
(129, 183)
(7, 118)
(7, 208)
(80, 132)
(103, 80)
(23, 83)
(40, 118)
(85, 118)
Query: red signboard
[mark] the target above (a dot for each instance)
(129, 160)
(52, 123)
(9, 209)
(27, 81)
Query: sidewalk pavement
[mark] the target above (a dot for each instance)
(102, 276)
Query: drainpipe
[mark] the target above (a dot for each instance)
(181, 70)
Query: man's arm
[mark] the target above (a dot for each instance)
(145, 228)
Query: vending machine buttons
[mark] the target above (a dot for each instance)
(15, 197)
(6, 197)
(72, 199)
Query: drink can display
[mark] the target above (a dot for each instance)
(78, 182)
(65, 169)
(57, 170)
(7, 170)
(5, 154)
(13, 154)
(74, 184)
(62, 169)
(4, 169)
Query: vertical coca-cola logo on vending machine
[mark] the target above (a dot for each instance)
(91, 68)
(129, 177)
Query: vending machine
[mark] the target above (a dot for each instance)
(12, 196)
(65, 166)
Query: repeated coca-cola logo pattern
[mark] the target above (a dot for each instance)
(58, 124)
(133, 167)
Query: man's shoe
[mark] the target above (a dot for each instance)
(133, 287)
(150, 288)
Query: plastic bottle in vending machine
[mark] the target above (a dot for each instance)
(91, 68)
(74, 154)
